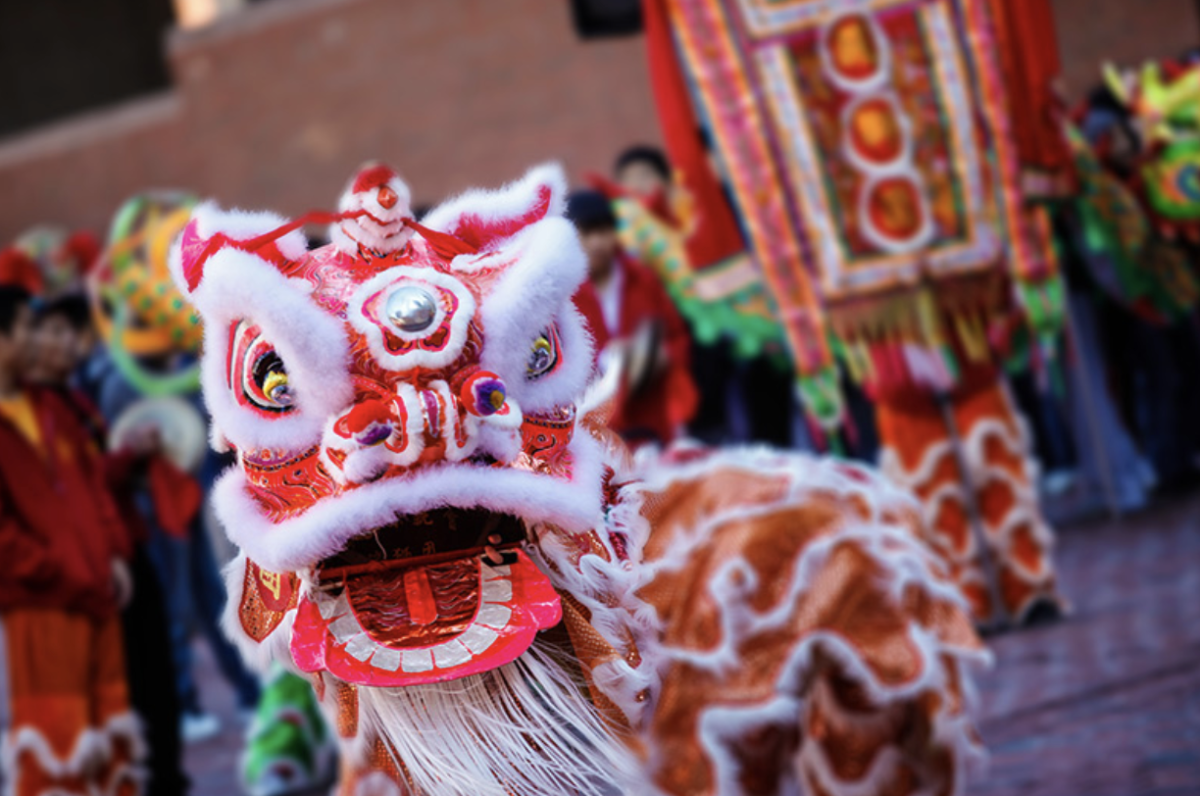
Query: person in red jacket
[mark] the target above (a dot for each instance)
(63, 338)
(636, 328)
(67, 727)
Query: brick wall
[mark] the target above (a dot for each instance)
(43, 43)
(275, 106)
(1091, 32)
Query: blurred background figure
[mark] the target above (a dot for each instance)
(63, 258)
(684, 231)
(145, 381)
(64, 578)
(636, 328)
(63, 340)
(289, 747)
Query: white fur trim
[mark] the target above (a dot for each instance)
(534, 293)
(1025, 511)
(513, 200)
(608, 589)
(93, 747)
(903, 562)
(324, 529)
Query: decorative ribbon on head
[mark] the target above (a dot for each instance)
(445, 245)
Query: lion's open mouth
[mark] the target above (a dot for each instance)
(430, 597)
(421, 540)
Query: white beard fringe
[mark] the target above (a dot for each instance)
(475, 736)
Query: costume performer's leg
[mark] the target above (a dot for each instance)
(208, 603)
(922, 453)
(68, 728)
(169, 556)
(151, 667)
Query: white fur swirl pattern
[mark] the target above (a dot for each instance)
(903, 559)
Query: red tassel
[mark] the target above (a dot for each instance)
(446, 246)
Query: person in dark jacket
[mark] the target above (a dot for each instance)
(633, 320)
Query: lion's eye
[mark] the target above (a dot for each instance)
(271, 382)
(543, 355)
(258, 375)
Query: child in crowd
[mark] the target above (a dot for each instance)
(64, 705)
(62, 340)
(636, 327)
(644, 174)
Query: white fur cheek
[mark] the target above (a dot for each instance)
(311, 343)
(535, 293)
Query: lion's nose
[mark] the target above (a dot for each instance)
(370, 422)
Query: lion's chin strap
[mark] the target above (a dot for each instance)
(471, 737)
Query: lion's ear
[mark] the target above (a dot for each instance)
(483, 217)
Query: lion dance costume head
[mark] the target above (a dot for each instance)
(488, 595)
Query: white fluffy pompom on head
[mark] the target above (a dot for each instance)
(383, 202)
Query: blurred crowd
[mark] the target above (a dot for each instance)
(109, 565)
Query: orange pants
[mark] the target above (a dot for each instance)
(1015, 568)
(64, 706)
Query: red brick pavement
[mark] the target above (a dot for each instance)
(1104, 703)
(1107, 702)
(213, 764)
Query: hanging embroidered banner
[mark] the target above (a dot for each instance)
(867, 148)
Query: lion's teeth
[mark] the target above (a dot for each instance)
(492, 573)
(345, 628)
(478, 638)
(386, 658)
(331, 608)
(360, 647)
(450, 654)
(416, 661)
(497, 591)
(494, 615)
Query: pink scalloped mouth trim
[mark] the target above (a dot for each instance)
(512, 603)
